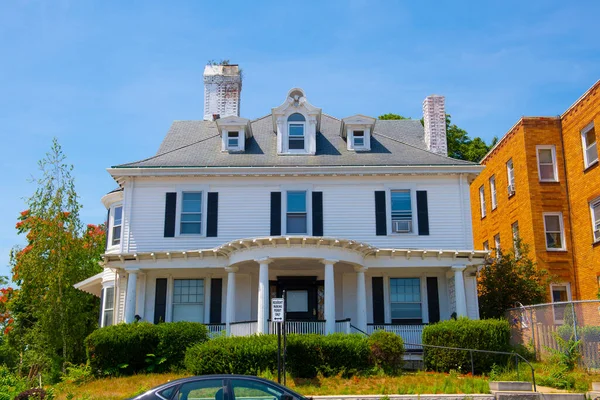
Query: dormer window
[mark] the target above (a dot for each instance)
(359, 138)
(233, 140)
(296, 125)
(357, 131)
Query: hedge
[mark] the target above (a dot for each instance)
(307, 355)
(488, 334)
(129, 348)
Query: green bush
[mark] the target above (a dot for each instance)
(129, 348)
(387, 351)
(233, 355)
(10, 384)
(488, 334)
(587, 333)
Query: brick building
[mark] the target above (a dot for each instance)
(541, 183)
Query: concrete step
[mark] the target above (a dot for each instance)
(593, 395)
(511, 386)
(516, 395)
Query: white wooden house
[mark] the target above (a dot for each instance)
(364, 223)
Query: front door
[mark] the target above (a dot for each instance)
(300, 297)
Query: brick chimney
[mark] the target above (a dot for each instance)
(434, 122)
(222, 89)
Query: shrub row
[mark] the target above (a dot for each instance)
(129, 348)
(587, 333)
(488, 334)
(307, 355)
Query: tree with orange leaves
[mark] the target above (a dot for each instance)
(49, 318)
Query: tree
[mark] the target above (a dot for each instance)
(50, 317)
(508, 279)
(391, 116)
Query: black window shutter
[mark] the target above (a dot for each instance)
(317, 213)
(101, 307)
(160, 300)
(380, 217)
(422, 212)
(433, 300)
(212, 214)
(275, 213)
(170, 214)
(216, 299)
(378, 302)
(107, 226)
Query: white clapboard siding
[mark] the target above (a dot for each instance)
(471, 295)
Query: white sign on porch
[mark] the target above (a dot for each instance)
(277, 309)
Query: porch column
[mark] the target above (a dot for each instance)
(329, 297)
(361, 299)
(263, 295)
(230, 310)
(459, 290)
(130, 297)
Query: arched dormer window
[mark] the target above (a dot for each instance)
(296, 128)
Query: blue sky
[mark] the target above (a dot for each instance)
(107, 78)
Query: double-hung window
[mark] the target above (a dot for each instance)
(590, 149)
(515, 233)
(547, 169)
(405, 299)
(188, 300)
(497, 245)
(493, 192)
(359, 139)
(108, 307)
(116, 226)
(296, 215)
(482, 201)
(401, 211)
(191, 213)
(560, 293)
(233, 140)
(510, 173)
(486, 246)
(595, 209)
(296, 126)
(555, 236)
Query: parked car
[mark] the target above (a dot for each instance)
(221, 387)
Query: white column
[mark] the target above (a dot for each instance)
(329, 297)
(230, 313)
(263, 296)
(459, 290)
(361, 299)
(130, 297)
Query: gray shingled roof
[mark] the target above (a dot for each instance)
(198, 144)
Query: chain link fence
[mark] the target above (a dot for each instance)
(541, 327)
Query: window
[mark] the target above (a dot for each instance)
(191, 213)
(553, 226)
(117, 223)
(405, 296)
(206, 389)
(401, 211)
(486, 246)
(493, 192)
(515, 232)
(254, 390)
(510, 172)
(482, 201)
(296, 123)
(547, 169)
(359, 138)
(560, 293)
(233, 140)
(296, 220)
(497, 245)
(595, 208)
(108, 307)
(590, 149)
(188, 300)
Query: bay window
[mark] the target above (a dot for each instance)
(117, 223)
(108, 306)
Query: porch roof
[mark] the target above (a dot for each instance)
(92, 285)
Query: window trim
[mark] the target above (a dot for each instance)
(562, 231)
(493, 192)
(510, 177)
(413, 208)
(482, 205)
(594, 202)
(422, 291)
(193, 189)
(552, 149)
(587, 163)
(296, 188)
(110, 285)
(111, 225)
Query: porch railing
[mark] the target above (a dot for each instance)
(300, 327)
(409, 333)
(342, 326)
(245, 328)
(215, 330)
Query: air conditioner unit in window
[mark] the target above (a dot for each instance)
(511, 190)
(401, 226)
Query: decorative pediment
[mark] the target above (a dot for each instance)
(296, 102)
(357, 121)
(357, 131)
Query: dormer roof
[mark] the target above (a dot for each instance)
(235, 122)
(357, 119)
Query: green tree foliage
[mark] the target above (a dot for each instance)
(507, 279)
(50, 318)
(460, 145)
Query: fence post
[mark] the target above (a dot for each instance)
(531, 322)
(574, 320)
(472, 364)
(517, 365)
